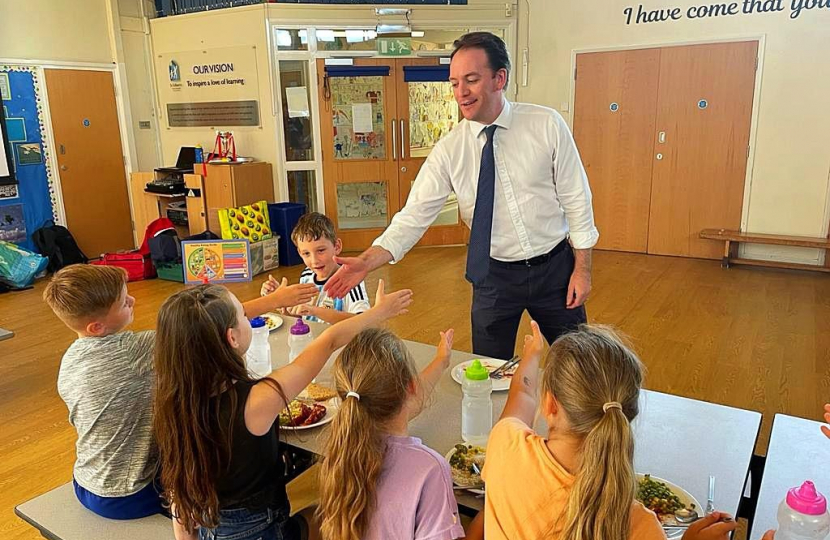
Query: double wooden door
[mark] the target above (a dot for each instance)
(380, 118)
(664, 137)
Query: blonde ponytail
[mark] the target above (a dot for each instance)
(373, 376)
(596, 379)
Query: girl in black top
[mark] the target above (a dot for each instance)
(215, 425)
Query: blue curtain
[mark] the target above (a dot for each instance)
(426, 73)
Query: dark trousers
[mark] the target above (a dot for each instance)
(510, 289)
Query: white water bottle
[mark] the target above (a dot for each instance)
(476, 405)
(258, 357)
(299, 336)
(802, 515)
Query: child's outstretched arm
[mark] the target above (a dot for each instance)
(521, 399)
(264, 404)
(432, 373)
(331, 316)
(283, 296)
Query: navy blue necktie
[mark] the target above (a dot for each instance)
(478, 252)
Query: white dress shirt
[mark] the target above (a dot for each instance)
(542, 193)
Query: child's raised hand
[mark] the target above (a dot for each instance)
(392, 304)
(270, 285)
(534, 344)
(826, 429)
(715, 526)
(769, 535)
(445, 347)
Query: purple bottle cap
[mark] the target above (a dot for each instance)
(807, 500)
(300, 328)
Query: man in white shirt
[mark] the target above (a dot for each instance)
(522, 190)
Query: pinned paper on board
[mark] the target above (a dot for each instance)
(297, 98)
(362, 117)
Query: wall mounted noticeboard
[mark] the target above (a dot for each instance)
(209, 88)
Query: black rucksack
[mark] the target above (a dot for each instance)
(57, 243)
(165, 248)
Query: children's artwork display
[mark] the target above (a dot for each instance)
(216, 261)
(357, 117)
(12, 223)
(362, 205)
(433, 112)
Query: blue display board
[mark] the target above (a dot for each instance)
(26, 133)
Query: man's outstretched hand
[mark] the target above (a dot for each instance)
(352, 271)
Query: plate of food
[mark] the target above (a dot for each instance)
(664, 499)
(466, 462)
(499, 385)
(314, 407)
(272, 321)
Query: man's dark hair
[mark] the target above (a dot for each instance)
(492, 45)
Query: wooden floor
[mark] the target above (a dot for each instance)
(746, 337)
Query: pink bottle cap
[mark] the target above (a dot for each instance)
(807, 500)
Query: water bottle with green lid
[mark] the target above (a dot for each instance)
(476, 405)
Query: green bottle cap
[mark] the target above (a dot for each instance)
(477, 372)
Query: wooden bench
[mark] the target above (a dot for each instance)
(58, 515)
(733, 238)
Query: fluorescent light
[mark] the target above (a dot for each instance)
(354, 36)
(417, 33)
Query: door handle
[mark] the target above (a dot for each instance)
(661, 137)
(394, 142)
(403, 152)
(63, 150)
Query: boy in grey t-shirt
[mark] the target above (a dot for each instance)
(106, 381)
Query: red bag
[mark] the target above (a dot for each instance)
(133, 262)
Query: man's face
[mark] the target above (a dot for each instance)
(477, 88)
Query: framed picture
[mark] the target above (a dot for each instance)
(29, 153)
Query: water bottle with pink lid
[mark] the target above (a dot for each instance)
(802, 515)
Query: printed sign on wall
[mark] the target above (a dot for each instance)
(210, 81)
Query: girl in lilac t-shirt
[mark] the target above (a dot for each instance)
(377, 482)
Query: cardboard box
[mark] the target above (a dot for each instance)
(264, 255)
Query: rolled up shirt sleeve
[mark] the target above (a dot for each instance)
(572, 187)
(429, 194)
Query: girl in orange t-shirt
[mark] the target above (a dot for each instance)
(578, 483)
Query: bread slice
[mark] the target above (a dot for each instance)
(318, 392)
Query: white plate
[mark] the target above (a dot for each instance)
(447, 457)
(332, 406)
(499, 385)
(272, 320)
(685, 497)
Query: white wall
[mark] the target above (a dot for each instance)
(789, 189)
(75, 31)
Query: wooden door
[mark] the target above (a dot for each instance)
(360, 167)
(614, 119)
(704, 111)
(90, 160)
(427, 111)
